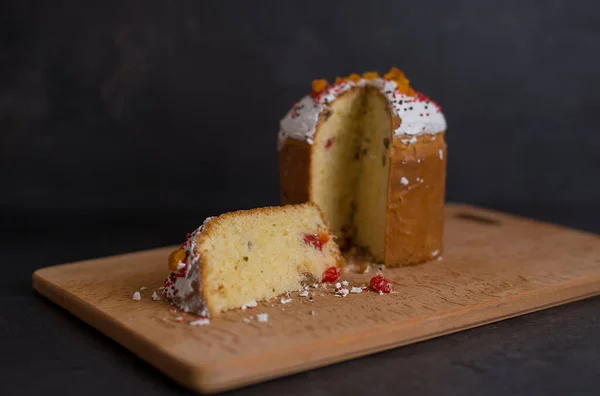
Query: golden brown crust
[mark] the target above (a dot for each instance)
(415, 216)
(294, 172)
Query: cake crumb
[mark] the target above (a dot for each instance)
(143, 288)
(180, 265)
(200, 322)
(404, 181)
(136, 296)
(342, 292)
(345, 283)
(155, 297)
(285, 301)
(356, 289)
(250, 304)
(304, 293)
(262, 317)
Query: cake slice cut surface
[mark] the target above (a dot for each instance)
(252, 255)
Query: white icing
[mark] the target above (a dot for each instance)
(136, 296)
(418, 115)
(403, 181)
(181, 287)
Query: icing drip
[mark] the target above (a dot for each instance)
(419, 114)
(184, 287)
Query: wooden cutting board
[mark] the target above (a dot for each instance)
(495, 266)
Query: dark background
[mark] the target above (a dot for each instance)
(124, 124)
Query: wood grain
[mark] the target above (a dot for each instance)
(494, 267)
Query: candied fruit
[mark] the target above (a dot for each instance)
(313, 240)
(331, 275)
(380, 283)
(175, 258)
(319, 85)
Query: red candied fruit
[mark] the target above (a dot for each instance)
(316, 240)
(380, 283)
(313, 240)
(328, 144)
(331, 275)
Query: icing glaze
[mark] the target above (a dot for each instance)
(183, 287)
(418, 114)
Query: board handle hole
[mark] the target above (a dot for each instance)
(477, 218)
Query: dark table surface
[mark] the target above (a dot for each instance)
(45, 350)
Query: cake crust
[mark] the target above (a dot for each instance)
(416, 194)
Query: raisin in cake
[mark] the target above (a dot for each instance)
(370, 151)
(250, 255)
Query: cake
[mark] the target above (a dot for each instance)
(370, 152)
(242, 257)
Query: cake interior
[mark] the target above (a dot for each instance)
(350, 168)
(257, 255)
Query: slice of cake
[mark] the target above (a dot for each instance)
(370, 151)
(251, 255)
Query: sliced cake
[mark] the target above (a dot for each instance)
(370, 151)
(252, 255)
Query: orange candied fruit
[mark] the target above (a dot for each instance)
(370, 75)
(175, 258)
(403, 84)
(323, 237)
(319, 85)
(354, 77)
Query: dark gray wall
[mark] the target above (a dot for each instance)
(165, 104)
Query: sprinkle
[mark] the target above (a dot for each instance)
(439, 258)
(200, 322)
(441, 154)
(380, 293)
(181, 265)
(315, 285)
(313, 313)
(173, 309)
(304, 293)
(246, 320)
(338, 285)
(136, 296)
(285, 301)
(356, 289)
(404, 181)
(155, 297)
(262, 317)
(179, 319)
(342, 292)
(345, 283)
(143, 288)
(435, 252)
